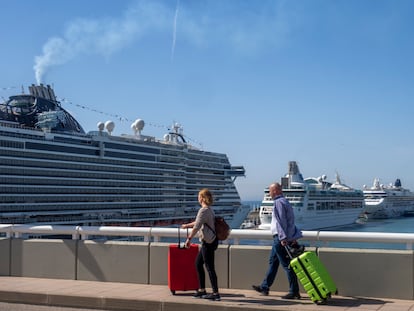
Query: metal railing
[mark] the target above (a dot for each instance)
(155, 234)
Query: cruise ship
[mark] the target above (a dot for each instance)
(317, 203)
(52, 172)
(387, 201)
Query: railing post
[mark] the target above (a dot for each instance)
(75, 236)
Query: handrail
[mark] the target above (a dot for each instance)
(85, 231)
(156, 233)
(19, 230)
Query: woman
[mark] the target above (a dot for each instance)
(204, 226)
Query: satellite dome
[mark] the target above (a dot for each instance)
(100, 126)
(109, 125)
(138, 125)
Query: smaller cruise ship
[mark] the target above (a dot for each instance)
(387, 201)
(317, 203)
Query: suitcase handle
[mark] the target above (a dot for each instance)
(179, 237)
(300, 250)
(288, 252)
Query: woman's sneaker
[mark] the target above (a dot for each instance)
(200, 294)
(213, 296)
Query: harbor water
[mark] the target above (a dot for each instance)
(391, 225)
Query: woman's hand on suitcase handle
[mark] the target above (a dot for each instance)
(189, 225)
(187, 243)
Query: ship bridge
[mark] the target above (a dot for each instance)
(235, 171)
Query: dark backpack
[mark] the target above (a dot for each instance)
(222, 231)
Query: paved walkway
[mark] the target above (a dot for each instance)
(124, 296)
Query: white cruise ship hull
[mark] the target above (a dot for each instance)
(314, 220)
(383, 202)
(61, 175)
(388, 207)
(316, 203)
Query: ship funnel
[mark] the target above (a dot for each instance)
(42, 91)
(397, 183)
(294, 174)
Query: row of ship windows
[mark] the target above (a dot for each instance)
(335, 205)
(102, 183)
(87, 151)
(42, 146)
(174, 157)
(76, 189)
(90, 171)
(87, 202)
(150, 192)
(330, 205)
(61, 160)
(127, 208)
(145, 168)
(156, 151)
(76, 186)
(219, 159)
(107, 163)
(19, 135)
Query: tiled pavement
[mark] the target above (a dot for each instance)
(88, 295)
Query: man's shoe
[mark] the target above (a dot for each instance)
(213, 296)
(260, 290)
(199, 294)
(291, 296)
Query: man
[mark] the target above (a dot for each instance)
(284, 233)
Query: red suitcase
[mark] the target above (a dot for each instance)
(182, 274)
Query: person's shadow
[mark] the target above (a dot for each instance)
(277, 301)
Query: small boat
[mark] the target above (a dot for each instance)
(248, 224)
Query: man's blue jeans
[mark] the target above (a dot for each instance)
(278, 255)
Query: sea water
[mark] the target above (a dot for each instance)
(404, 224)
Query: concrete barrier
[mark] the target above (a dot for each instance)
(372, 273)
(126, 262)
(54, 259)
(5, 256)
(357, 272)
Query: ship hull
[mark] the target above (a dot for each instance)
(390, 206)
(387, 201)
(317, 204)
(56, 176)
(315, 220)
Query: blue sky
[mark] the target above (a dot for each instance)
(326, 83)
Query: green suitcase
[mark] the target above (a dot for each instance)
(314, 277)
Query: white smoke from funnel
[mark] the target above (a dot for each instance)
(255, 32)
(102, 37)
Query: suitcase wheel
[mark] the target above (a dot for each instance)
(173, 292)
(322, 302)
